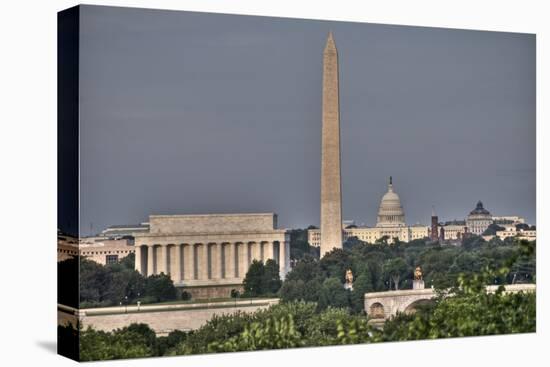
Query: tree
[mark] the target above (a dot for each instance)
(472, 241)
(271, 334)
(382, 240)
(299, 245)
(160, 288)
(362, 285)
(149, 336)
(335, 264)
(128, 262)
(262, 280)
(351, 242)
(292, 290)
(272, 280)
(121, 343)
(94, 283)
(316, 307)
(468, 310)
(396, 269)
(305, 270)
(107, 285)
(165, 345)
(254, 279)
(495, 241)
(333, 294)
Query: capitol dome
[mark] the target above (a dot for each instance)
(390, 212)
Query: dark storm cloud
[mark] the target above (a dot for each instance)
(203, 113)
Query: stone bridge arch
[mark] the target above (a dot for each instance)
(376, 310)
(414, 306)
(384, 305)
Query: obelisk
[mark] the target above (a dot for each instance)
(331, 197)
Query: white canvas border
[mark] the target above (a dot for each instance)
(28, 186)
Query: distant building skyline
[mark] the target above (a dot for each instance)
(193, 113)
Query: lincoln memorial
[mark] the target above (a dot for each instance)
(209, 254)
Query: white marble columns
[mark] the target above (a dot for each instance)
(242, 259)
(150, 260)
(162, 259)
(284, 258)
(230, 252)
(175, 262)
(189, 263)
(217, 263)
(138, 265)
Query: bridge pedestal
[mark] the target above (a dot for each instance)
(418, 284)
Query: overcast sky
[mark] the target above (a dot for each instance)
(185, 113)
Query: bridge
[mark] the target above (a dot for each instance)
(381, 306)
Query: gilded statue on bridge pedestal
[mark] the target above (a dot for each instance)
(418, 273)
(349, 280)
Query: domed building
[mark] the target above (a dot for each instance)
(390, 212)
(479, 219)
(390, 224)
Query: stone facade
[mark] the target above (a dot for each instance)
(508, 219)
(214, 291)
(521, 234)
(98, 249)
(161, 318)
(372, 234)
(479, 219)
(210, 251)
(125, 230)
(453, 230)
(331, 196)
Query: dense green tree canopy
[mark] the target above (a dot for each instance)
(113, 284)
(317, 310)
(262, 280)
(299, 246)
(466, 310)
(379, 267)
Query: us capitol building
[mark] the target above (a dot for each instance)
(390, 224)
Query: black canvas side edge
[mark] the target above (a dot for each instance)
(68, 24)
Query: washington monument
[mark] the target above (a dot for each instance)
(331, 197)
